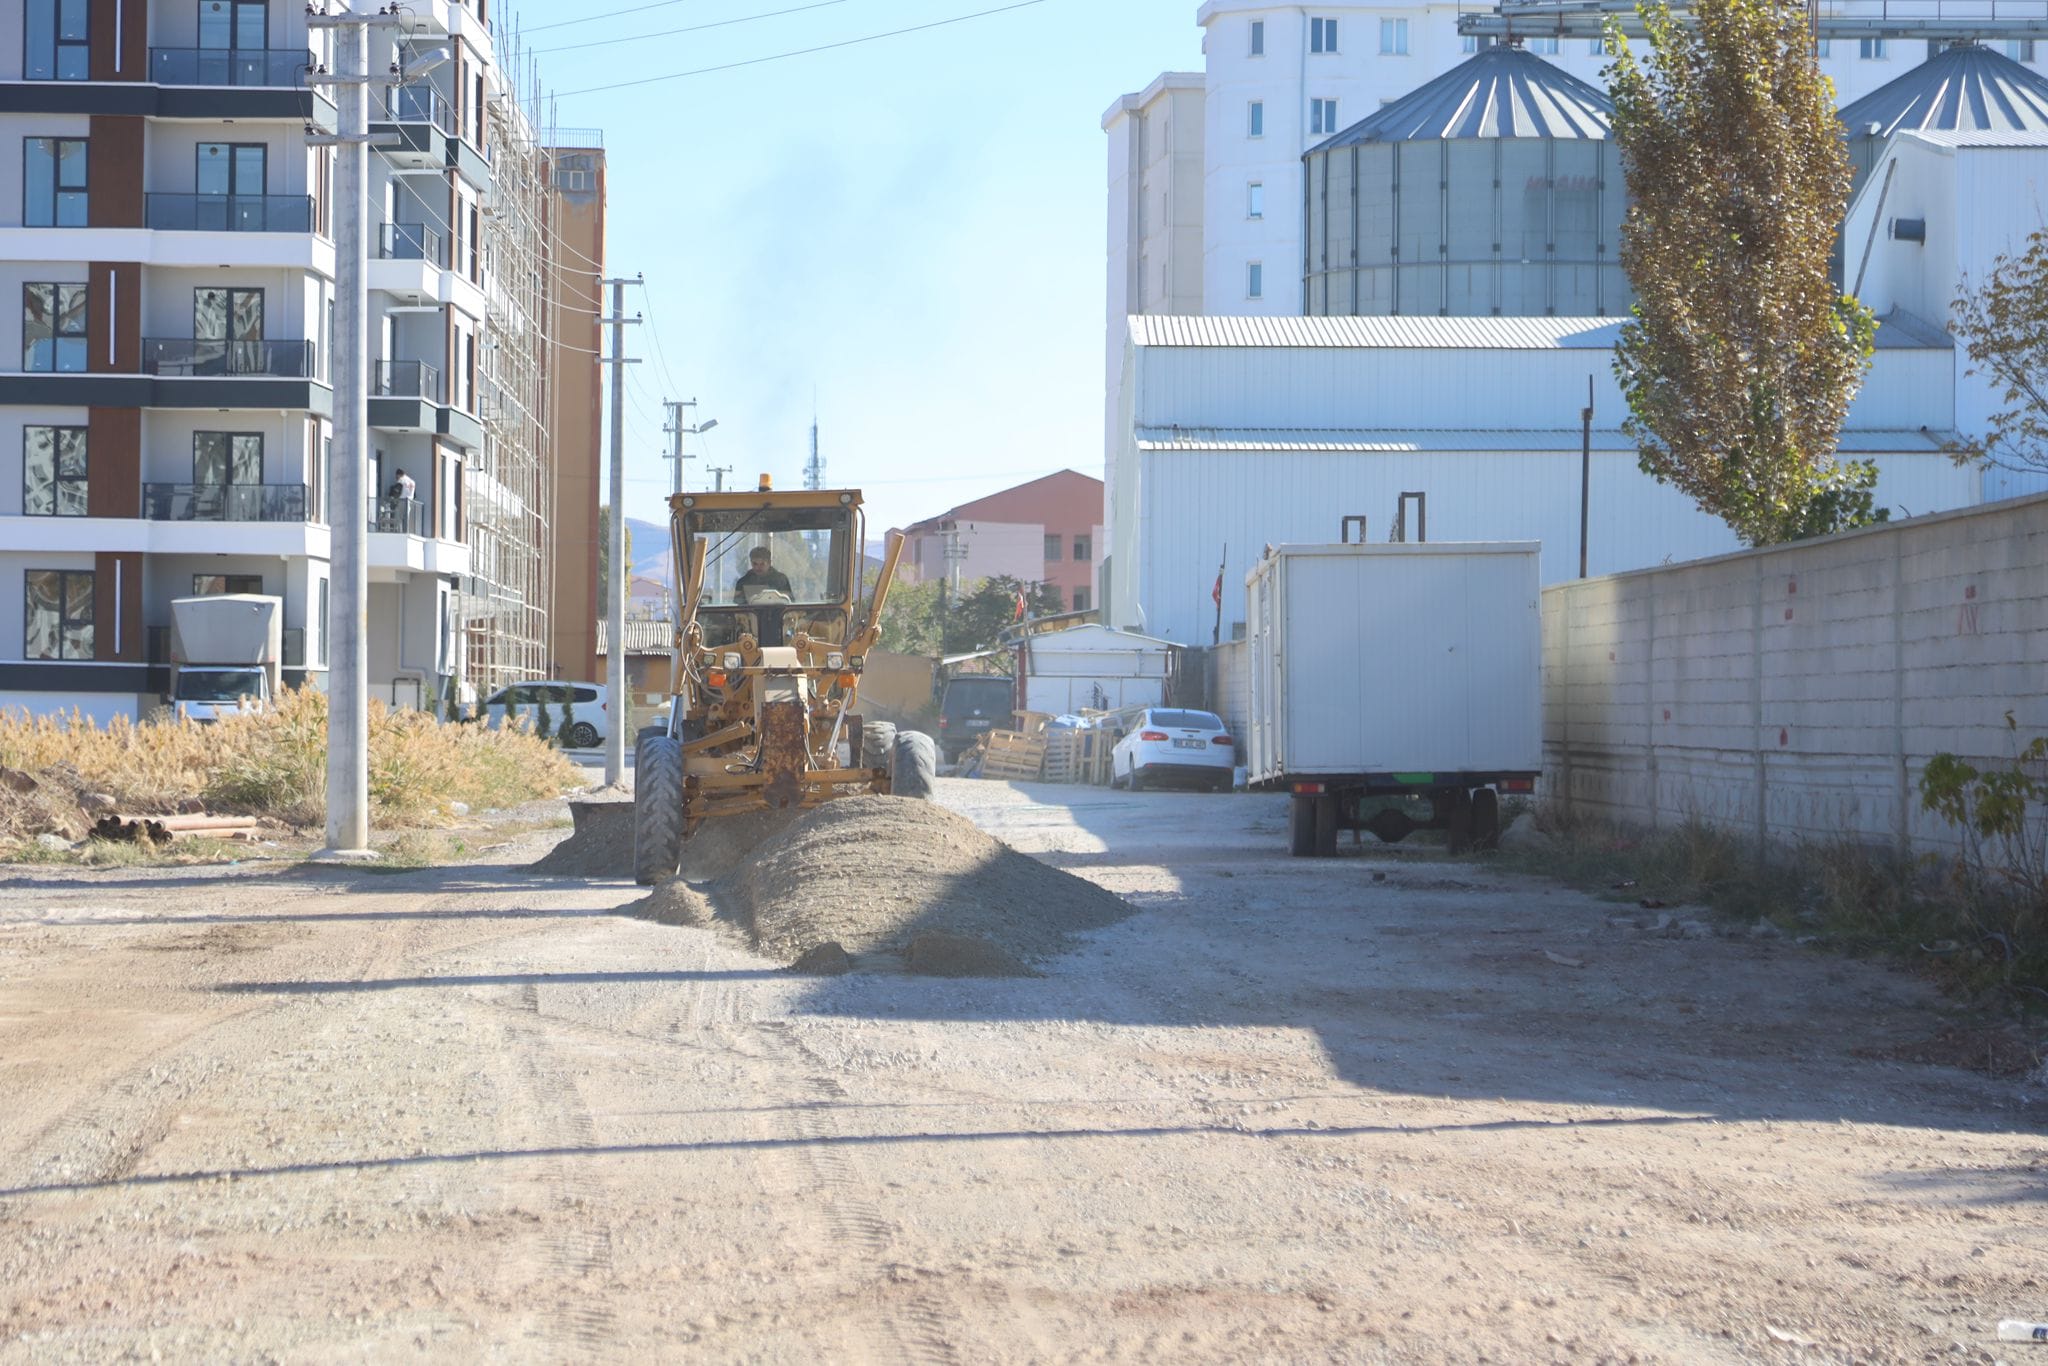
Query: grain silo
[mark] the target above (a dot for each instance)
(1965, 87)
(1493, 189)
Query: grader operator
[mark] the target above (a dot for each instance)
(771, 640)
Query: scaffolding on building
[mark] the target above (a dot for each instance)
(508, 491)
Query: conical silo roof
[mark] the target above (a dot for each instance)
(1966, 88)
(1498, 92)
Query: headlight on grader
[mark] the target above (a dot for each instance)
(732, 663)
(835, 661)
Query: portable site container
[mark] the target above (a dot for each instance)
(1395, 670)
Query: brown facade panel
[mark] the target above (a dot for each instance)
(113, 322)
(117, 635)
(113, 462)
(114, 166)
(118, 37)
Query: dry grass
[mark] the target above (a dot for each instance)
(1851, 895)
(274, 764)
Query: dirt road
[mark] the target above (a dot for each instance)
(1375, 1109)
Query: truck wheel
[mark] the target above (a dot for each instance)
(877, 744)
(1326, 825)
(1457, 817)
(583, 735)
(1301, 826)
(657, 811)
(1485, 818)
(915, 766)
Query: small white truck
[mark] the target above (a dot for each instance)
(226, 654)
(1404, 670)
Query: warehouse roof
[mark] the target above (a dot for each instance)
(642, 637)
(1899, 331)
(1392, 441)
(1962, 88)
(1500, 92)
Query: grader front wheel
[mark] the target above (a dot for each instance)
(915, 766)
(657, 810)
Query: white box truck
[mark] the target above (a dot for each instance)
(227, 651)
(1403, 670)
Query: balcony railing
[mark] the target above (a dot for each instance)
(229, 212)
(407, 379)
(413, 242)
(401, 516)
(182, 357)
(224, 502)
(219, 66)
(420, 104)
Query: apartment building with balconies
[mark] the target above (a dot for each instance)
(166, 403)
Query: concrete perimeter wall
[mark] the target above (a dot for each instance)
(1798, 692)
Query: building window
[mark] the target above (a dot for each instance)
(53, 328)
(58, 41)
(1393, 37)
(1083, 550)
(1258, 47)
(1543, 47)
(1870, 49)
(1080, 599)
(213, 585)
(1256, 120)
(58, 623)
(1468, 44)
(1322, 35)
(1322, 116)
(1595, 46)
(53, 183)
(1255, 201)
(227, 459)
(53, 471)
(1820, 49)
(1052, 548)
(1255, 281)
(2020, 49)
(320, 628)
(234, 25)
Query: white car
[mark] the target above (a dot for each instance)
(576, 711)
(1163, 746)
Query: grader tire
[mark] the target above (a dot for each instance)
(657, 811)
(877, 744)
(915, 766)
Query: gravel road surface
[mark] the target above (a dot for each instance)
(1378, 1108)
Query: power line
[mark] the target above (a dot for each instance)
(800, 52)
(693, 28)
(608, 14)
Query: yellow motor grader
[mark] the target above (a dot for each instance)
(771, 639)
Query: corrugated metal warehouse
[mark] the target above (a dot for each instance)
(1243, 432)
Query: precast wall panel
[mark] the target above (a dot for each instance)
(1797, 693)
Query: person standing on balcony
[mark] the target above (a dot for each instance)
(403, 488)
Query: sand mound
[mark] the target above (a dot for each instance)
(958, 955)
(674, 902)
(600, 845)
(823, 960)
(47, 803)
(875, 873)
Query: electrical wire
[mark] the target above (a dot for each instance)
(799, 52)
(693, 28)
(591, 18)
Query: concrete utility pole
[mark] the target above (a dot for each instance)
(674, 430)
(348, 681)
(615, 588)
(718, 472)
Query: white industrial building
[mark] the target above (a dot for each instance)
(1237, 433)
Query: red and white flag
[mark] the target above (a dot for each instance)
(1216, 595)
(1020, 606)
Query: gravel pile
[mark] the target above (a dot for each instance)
(888, 875)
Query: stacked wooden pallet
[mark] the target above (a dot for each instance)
(1013, 756)
(1077, 756)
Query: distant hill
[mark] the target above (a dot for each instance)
(650, 548)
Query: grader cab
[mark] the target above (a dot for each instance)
(772, 636)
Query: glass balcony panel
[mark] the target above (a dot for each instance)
(413, 242)
(229, 66)
(399, 516)
(225, 502)
(408, 379)
(187, 357)
(229, 212)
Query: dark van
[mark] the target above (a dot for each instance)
(971, 707)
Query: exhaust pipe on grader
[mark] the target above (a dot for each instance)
(764, 678)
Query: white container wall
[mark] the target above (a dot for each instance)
(1388, 659)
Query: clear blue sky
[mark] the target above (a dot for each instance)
(913, 227)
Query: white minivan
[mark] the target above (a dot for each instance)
(577, 712)
(1164, 746)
